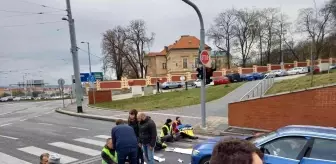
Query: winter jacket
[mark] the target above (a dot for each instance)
(147, 132)
(134, 124)
(123, 136)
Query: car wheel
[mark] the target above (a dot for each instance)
(179, 86)
(166, 87)
(205, 160)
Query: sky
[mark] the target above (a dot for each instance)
(29, 50)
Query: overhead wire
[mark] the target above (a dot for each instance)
(38, 23)
(42, 5)
(90, 53)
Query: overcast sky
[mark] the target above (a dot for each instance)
(42, 51)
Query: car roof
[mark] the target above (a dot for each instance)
(308, 130)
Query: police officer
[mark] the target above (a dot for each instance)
(166, 132)
(109, 155)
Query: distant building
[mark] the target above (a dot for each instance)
(180, 57)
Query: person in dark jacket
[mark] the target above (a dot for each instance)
(147, 136)
(124, 142)
(133, 122)
(109, 155)
(166, 132)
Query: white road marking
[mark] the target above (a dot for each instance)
(180, 150)
(120, 115)
(166, 114)
(41, 123)
(7, 159)
(5, 113)
(90, 141)
(23, 119)
(13, 138)
(37, 152)
(73, 127)
(76, 148)
(49, 112)
(6, 124)
(103, 136)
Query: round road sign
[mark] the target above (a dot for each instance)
(61, 82)
(182, 78)
(205, 57)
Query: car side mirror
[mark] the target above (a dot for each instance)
(264, 150)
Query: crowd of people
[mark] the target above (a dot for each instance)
(135, 140)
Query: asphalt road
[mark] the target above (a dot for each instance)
(28, 129)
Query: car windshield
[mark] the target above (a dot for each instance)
(262, 137)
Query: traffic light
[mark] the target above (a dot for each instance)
(199, 73)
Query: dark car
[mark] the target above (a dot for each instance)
(234, 77)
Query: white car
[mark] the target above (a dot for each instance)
(4, 99)
(277, 73)
(17, 99)
(198, 83)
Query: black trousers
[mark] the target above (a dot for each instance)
(167, 138)
(140, 156)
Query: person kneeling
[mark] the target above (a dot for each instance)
(166, 132)
(109, 155)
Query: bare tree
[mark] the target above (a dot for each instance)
(270, 17)
(116, 49)
(316, 24)
(245, 32)
(222, 32)
(137, 36)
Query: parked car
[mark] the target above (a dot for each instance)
(171, 85)
(247, 77)
(4, 99)
(316, 69)
(258, 76)
(17, 99)
(297, 70)
(277, 73)
(221, 80)
(333, 66)
(295, 144)
(234, 77)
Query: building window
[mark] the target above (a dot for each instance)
(196, 62)
(185, 63)
(164, 65)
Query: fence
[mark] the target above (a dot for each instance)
(260, 89)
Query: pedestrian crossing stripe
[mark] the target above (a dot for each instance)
(7, 159)
(75, 148)
(96, 141)
(90, 141)
(38, 151)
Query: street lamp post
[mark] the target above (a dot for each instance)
(201, 48)
(88, 44)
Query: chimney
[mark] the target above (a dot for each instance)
(166, 48)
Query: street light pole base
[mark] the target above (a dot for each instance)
(79, 109)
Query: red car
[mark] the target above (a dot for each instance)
(221, 80)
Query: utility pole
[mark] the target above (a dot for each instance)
(74, 51)
(88, 44)
(281, 52)
(201, 48)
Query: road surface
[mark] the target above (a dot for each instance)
(28, 129)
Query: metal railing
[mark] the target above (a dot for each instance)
(260, 89)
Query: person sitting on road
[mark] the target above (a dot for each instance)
(236, 151)
(109, 155)
(175, 130)
(44, 158)
(166, 132)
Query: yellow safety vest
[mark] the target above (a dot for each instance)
(168, 130)
(114, 158)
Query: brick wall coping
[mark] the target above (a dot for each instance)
(288, 92)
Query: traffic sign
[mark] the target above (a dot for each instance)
(84, 77)
(182, 78)
(205, 58)
(92, 79)
(61, 83)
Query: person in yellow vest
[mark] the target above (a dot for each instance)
(166, 132)
(109, 155)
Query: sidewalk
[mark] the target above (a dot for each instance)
(216, 111)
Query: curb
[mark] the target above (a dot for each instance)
(90, 116)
